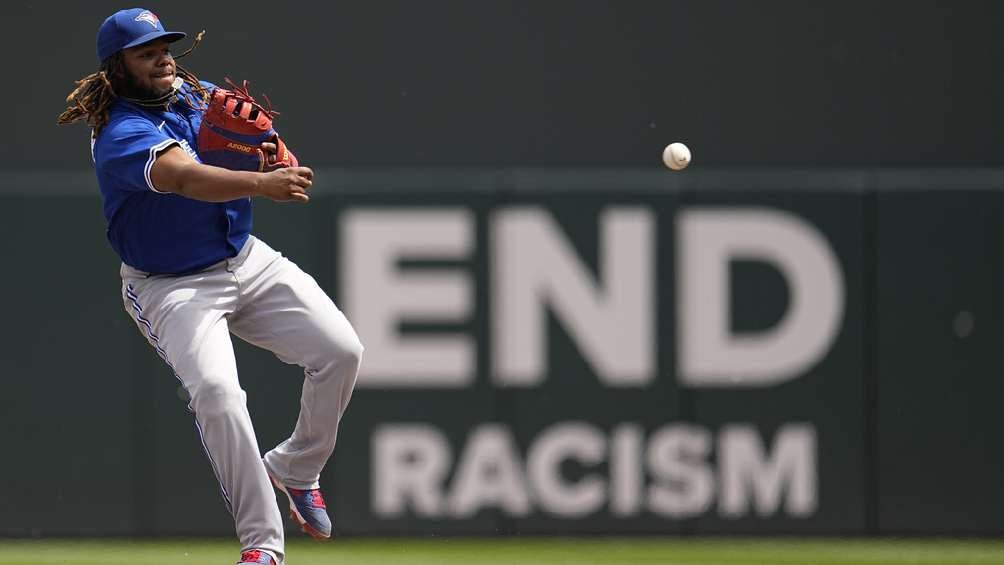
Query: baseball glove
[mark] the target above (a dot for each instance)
(233, 128)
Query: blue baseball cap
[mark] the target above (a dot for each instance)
(129, 28)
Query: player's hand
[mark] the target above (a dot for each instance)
(288, 184)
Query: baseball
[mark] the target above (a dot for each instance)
(676, 156)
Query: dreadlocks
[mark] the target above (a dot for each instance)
(96, 92)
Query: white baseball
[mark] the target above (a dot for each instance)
(676, 156)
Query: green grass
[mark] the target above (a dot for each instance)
(518, 551)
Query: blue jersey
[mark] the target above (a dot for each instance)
(154, 231)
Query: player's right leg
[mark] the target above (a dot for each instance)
(184, 319)
(285, 311)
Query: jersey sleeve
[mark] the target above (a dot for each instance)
(126, 151)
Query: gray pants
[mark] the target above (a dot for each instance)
(266, 300)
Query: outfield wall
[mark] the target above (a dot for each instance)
(552, 351)
(563, 82)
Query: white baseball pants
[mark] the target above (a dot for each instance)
(266, 300)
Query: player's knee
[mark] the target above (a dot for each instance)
(212, 398)
(352, 351)
(342, 356)
(350, 354)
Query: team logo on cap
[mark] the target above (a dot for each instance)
(148, 17)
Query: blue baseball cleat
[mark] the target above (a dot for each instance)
(255, 557)
(307, 508)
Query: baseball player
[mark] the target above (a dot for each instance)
(192, 274)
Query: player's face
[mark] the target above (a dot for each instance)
(151, 68)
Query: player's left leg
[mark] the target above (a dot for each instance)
(285, 311)
(185, 320)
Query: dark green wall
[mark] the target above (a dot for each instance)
(877, 122)
(564, 82)
(903, 404)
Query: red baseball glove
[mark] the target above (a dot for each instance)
(233, 128)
